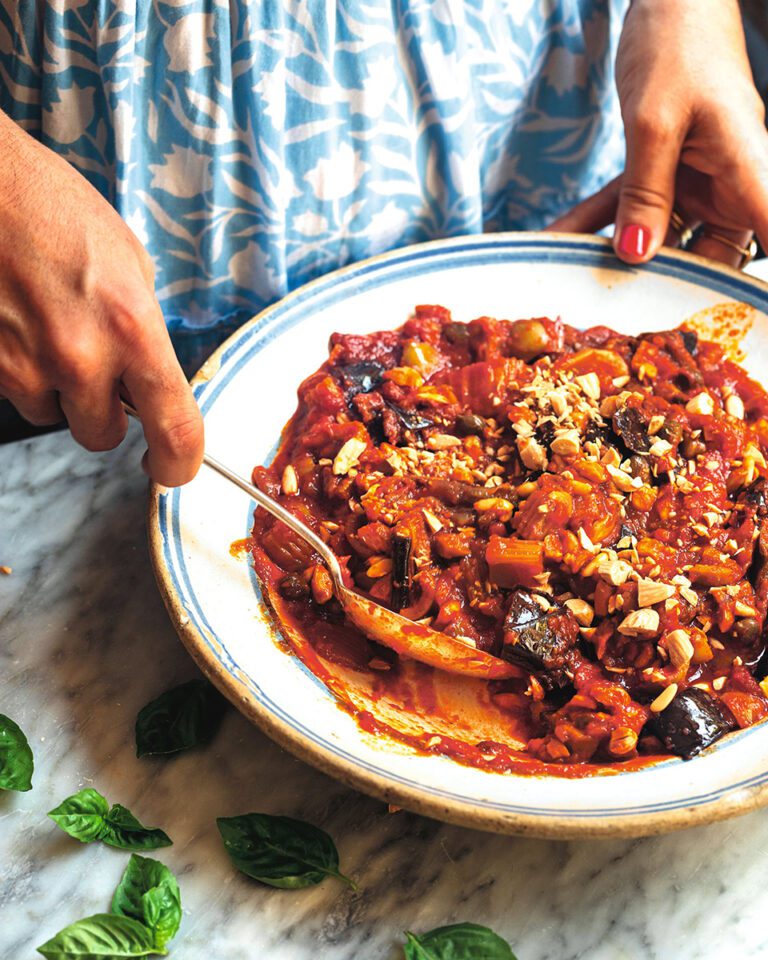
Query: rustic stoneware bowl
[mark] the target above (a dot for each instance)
(247, 391)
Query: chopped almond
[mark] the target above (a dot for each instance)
(616, 572)
(655, 424)
(567, 443)
(434, 524)
(581, 610)
(679, 647)
(289, 482)
(348, 456)
(660, 448)
(640, 623)
(558, 403)
(664, 698)
(623, 481)
(701, 403)
(590, 385)
(734, 406)
(650, 592)
(442, 441)
(532, 453)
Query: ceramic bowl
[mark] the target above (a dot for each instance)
(247, 392)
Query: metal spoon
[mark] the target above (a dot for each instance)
(406, 638)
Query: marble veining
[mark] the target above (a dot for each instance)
(85, 642)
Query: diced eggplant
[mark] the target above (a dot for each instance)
(455, 493)
(394, 421)
(468, 424)
(625, 531)
(294, 587)
(463, 517)
(539, 639)
(401, 570)
(595, 432)
(693, 720)
(629, 424)
(760, 670)
(545, 433)
(754, 502)
(361, 377)
(456, 333)
(756, 496)
(672, 430)
(331, 612)
(369, 406)
(410, 419)
(692, 447)
(639, 467)
(681, 348)
(690, 341)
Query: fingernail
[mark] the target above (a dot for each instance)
(634, 240)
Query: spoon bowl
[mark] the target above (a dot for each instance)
(404, 636)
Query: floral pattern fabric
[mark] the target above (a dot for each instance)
(254, 146)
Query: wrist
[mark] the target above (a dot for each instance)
(698, 16)
(675, 38)
(17, 168)
(11, 136)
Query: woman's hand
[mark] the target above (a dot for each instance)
(79, 321)
(695, 133)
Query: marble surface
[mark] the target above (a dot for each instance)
(85, 643)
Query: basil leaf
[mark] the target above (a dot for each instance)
(280, 851)
(87, 816)
(82, 815)
(459, 941)
(183, 717)
(124, 831)
(102, 935)
(149, 893)
(16, 761)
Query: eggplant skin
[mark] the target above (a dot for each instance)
(629, 424)
(361, 377)
(537, 639)
(410, 420)
(755, 496)
(690, 341)
(693, 721)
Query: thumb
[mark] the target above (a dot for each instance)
(647, 189)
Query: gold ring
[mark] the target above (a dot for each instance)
(747, 253)
(680, 227)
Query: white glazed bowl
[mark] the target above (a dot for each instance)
(247, 392)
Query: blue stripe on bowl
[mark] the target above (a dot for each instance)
(322, 294)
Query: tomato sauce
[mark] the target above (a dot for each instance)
(587, 506)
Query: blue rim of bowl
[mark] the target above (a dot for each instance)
(211, 653)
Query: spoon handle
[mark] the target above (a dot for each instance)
(406, 638)
(276, 509)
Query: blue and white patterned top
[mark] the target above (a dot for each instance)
(254, 146)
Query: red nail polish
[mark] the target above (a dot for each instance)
(634, 240)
